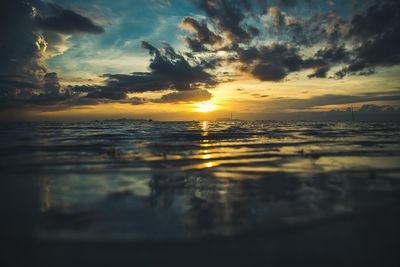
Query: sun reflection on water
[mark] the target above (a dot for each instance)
(209, 164)
(204, 125)
(205, 154)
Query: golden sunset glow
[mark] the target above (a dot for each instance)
(204, 107)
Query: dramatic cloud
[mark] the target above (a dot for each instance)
(138, 82)
(273, 62)
(51, 84)
(201, 35)
(33, 31)
(228, 16)
(266, 40)
(67, 22)
(169, 70)
(320, 72)
(25, 44)
(176, 69)
(333, 54)
(176, 97)
(289, 35)
(185, 96)
(107, 92)
(376, 34)
(22, 49)
(328, 57)
(370, 39)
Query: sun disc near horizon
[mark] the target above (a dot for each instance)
(204, 107)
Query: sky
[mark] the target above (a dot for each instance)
(199, 59)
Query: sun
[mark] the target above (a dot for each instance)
(204, 107)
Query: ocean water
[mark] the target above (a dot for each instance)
(139, 180)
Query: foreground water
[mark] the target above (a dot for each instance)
(139, 180)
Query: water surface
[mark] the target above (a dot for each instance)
(139, 180)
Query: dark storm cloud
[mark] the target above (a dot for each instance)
(48, 92)
(228, 16)
(201, 35)
(137, 100)
(266, 39)
(169, 70)
(269, 72)
(307, 28)
(25, 45)
(176, 97)
(320, 72)
(15, 81)
(21, 48)
(67, 22)
(315, 29)
(378, 18)
(368, 40)
(108, 93)
(51, 84)
(328, 57)
(16, 89)
(113, 93)
(173, 68)
(195, 44)
(333, 54)
(138, 82)
(376, 34)
(296, 31)
(185, 96)
(273, 62)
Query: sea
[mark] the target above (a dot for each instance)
(203, 182)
